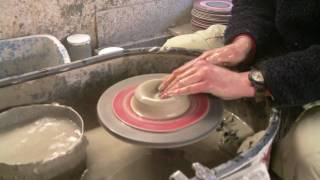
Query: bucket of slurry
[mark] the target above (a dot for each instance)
(43, 141)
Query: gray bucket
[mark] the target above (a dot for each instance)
(65, 165)
(26, 54)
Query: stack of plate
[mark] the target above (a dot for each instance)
(208, 12)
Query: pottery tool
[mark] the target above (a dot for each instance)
(132, 111)
(208, 12)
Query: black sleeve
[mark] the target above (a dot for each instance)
(254, 17)
(294, 79)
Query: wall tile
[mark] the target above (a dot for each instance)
(131, 23)
(108, 4)
(57, 17)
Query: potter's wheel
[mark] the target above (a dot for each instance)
(118, 117)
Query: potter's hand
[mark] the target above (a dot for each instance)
(230, 55)
(204, 77)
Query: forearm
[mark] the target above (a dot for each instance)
(254, 17)
(293, 79)
(246, 44)
(245, 85)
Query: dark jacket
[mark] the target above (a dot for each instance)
(293, 78)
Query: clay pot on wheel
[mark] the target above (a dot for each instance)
(147, 103)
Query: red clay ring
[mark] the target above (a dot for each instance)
(123, 111)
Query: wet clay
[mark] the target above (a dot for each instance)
(148, 104)
(250, 141)
(43, 139)
(114, 159)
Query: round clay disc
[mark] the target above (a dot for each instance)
(217, 6)
(200, 25)
(209, 17)
(185, 136)
(124, 112)
(208, 22)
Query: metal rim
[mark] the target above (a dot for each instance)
(93, 60)
(78, 121)
(245, 158)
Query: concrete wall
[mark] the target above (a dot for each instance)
(109, 22)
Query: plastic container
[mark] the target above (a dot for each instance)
(63, 166)
(110, 50)
(79, 46)
(26, 54)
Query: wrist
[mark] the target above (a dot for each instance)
(246, 87)
(244, 42)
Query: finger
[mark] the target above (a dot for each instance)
(179, 71)
(174, 74)
(188, 65)
(213, 58)
(191, 72)
(191, 79)
(164, 83)
(176, 81)
(205, 55)
(187, 80)
(199, 87)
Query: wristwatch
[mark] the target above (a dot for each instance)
(257, 81)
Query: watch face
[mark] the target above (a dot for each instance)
(257, 76)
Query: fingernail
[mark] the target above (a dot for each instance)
(161, 87)
(163, 96)
(170, 93)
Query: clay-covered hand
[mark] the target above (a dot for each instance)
(204, 77)
(230, 55)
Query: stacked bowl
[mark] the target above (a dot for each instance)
(208, 12)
